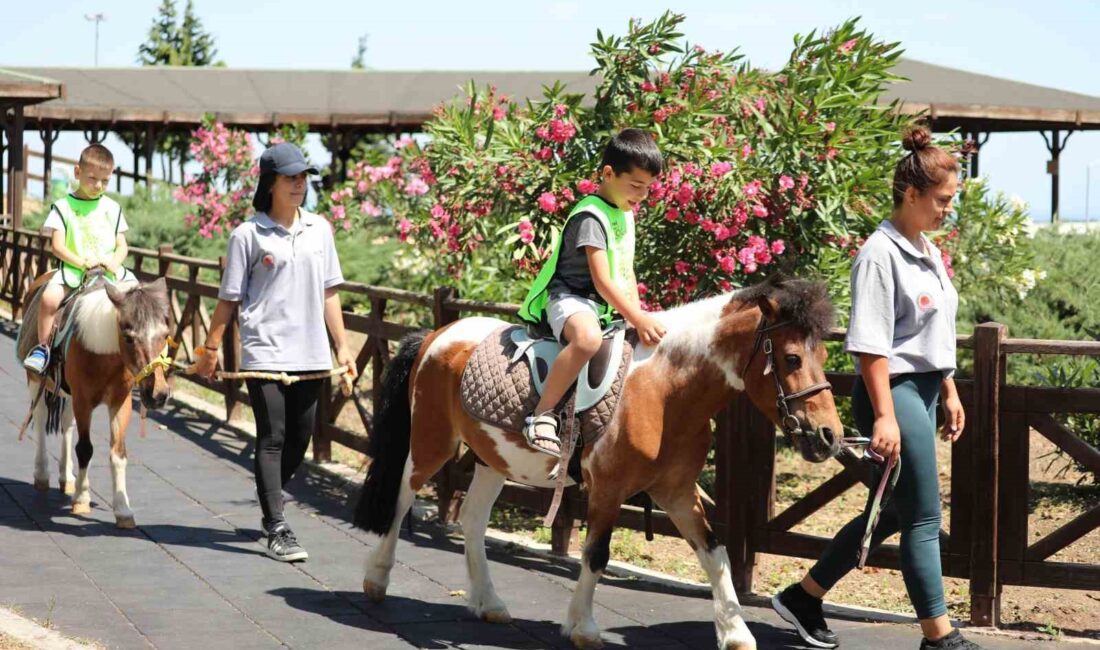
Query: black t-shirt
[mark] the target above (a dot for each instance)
(572, 274)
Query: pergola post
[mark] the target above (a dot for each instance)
(3, 149)
(149, 143)
(1055, 144)
(979, 142)
(16, 166)
(136, 150)
(49, 136)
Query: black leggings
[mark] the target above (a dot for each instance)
(286, 416)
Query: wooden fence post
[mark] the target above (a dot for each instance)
(989, 376)
(446, 479)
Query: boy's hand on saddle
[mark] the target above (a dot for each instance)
(650, 330)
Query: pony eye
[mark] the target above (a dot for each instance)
(794, 362)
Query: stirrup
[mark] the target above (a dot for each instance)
(530, 433)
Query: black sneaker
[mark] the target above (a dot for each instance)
(282, 545)
(803, 611)
(953, 641)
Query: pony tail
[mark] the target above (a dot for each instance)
(389, 441)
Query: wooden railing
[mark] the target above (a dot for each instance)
(989, 543)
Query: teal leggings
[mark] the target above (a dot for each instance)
(913, 509)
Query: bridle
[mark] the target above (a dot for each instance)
(788, 422)
(792, 428)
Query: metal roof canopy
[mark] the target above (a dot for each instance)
(379, 100)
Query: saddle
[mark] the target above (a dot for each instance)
(505, 375)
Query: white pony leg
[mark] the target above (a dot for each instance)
(67, 481)
(474, 516)
(38, 424)
(580, 625)
(380, 559)
(729, 623)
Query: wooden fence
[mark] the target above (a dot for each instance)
(989, 542)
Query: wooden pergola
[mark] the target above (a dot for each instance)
(149, 103)
(18, 91)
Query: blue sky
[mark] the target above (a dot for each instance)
(1051, 43)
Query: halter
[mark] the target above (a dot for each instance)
(164, 360)
(788, 422)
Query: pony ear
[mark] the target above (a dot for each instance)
(157, 288)
(115, 294)
(770, 308)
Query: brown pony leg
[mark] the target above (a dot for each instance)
(82, 414)
(603, 511)
(120, 408)
(684, 505)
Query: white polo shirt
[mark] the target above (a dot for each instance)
(279, 276)
(903, 305)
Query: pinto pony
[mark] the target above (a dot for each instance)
(765, 341)
(119, 333)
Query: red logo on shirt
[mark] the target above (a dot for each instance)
(268, 260)
(925, 302)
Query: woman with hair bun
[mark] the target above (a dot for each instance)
(902, 336)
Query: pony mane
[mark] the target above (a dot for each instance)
(803, 303)
(95, 320)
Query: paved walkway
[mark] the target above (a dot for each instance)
(194, 575)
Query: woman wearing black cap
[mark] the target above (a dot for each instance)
(282, 271)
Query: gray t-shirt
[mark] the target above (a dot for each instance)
(280, 276)
(903, 305)
(572, 274)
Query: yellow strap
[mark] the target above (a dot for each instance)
(165, 360)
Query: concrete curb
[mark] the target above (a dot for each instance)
(27, 631)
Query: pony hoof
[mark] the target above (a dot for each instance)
(497, 616)
(82, 508)
(41, 484)
(125, 522)
(585, 642)
(375, 592)
(67, 488)
(739, 646)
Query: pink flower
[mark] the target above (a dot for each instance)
(548, 202)
(499, 112)
(847, 46)
(685, 194)
(561, 131)
(759, 103)
(560, 110)
(727, 264)
(439, 212)
(751, 189)
(416, 186)
(347, 224)
(370, 209)
(778, 247)
(830, 126)
(339, 212)
(672, 214)
(720, 169)
(831, 153)
(544, 154)
(759, 211)
(404, 227)
(682, 267)
(786, 182)
(803, 181)
(642, 289)
(362, 186)
(647, 86)
(403, 142)
(526, 231)
(586, 187)
(567, 195)
(721, 233)
(543, 133)
(746, 151)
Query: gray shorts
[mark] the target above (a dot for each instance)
(562, 307)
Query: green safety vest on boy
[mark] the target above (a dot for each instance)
(91, 231)
(618, 225)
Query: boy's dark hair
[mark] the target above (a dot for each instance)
(97, 154)
(632, 149)
(261, 200)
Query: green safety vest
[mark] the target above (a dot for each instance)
(618, 225)
(90, 231)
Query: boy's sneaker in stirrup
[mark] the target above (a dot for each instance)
(282, 545)
(540, 430)
(803, 611)
(37, 360)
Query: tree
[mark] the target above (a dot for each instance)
(161, 47)
(196, 47)
(359, 62)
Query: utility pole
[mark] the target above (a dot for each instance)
(96, 18)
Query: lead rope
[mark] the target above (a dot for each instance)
(561, 471)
